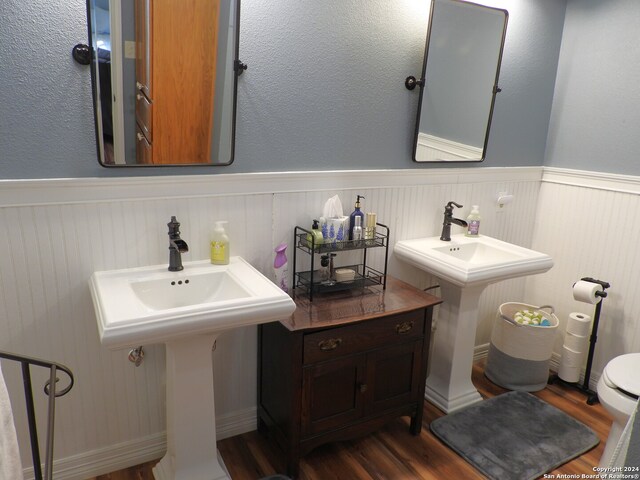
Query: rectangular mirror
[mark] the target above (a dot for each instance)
(165, 81)
(459, 81)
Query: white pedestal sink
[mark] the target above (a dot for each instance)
(187, 311)
(465, 266)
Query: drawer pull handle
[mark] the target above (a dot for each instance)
(329, 344)
(404, 327)
(363, 387)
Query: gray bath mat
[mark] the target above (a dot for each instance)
(514, 436)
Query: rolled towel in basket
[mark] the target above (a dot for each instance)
(10, 463)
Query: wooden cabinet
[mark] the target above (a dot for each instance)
(342, 366)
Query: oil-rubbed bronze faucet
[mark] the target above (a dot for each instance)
(448, 220)
(177, 246)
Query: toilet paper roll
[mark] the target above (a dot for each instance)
(577, 343)
(569, 374)
(586, 292)
(579, 324)
(571, 358)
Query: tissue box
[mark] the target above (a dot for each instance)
(335, 230)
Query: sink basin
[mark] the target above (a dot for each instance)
(469, 261)
(146, 305)
(196, 288)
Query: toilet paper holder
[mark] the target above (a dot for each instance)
(592, 397)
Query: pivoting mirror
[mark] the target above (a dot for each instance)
(459, 81)
(165, 76)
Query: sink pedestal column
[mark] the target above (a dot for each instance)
(449, 385)
(191, 420)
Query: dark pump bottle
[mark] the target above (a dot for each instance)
(356, 213)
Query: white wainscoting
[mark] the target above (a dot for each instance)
(57, 232)
(589, 222)
(437, 149)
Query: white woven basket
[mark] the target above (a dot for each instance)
(528, 342)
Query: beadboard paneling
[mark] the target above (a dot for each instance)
(590, 229)
(59, 232)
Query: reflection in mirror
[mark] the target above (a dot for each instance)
(459, 81)
(165, 80)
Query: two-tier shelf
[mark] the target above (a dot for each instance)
(365, 275)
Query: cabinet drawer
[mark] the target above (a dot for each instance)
(144, 152)
(144, 112)
(336, 342)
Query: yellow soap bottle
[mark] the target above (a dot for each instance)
(220, 245)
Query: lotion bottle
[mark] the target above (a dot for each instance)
(220, 245)
(473, 222)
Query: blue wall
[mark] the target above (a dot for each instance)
(595, 122)
(324, 89)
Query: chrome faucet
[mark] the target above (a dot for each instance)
(177, 246)
(448, 220)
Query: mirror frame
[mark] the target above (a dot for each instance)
(411, 82)
(238, 69)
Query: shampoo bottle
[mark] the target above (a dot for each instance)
(473, 222)
(280, 267)
(220, 245)
(352, 218)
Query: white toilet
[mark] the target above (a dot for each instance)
(618, 391)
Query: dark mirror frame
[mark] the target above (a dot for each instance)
(238, 69)
(411, 82)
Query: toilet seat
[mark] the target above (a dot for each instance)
(623, 374)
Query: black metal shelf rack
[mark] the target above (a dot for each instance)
(365, 276)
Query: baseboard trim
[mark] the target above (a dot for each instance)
(126, 454)
(108, 459)
(237, 423)
(480, 352)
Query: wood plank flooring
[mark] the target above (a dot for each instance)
(392, 453)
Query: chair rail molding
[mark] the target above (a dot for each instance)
(90, 190)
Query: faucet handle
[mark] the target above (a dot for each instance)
(450, 205)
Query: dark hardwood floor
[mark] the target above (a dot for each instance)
(392, 453)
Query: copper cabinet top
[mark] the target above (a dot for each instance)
(356, 305)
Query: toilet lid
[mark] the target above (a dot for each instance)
(624, 372)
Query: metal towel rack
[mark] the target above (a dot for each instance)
(52, 392)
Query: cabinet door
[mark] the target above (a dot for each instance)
(333, 394)
(393, 376)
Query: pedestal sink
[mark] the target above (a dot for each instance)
(464, 266)
(187, 311)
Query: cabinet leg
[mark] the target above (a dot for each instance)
(293, 471)
(416, 421)
(262, 426)
(293, 466)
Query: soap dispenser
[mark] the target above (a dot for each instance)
(220, 245)
(473, 222)
(315, 238)
(352, 218)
